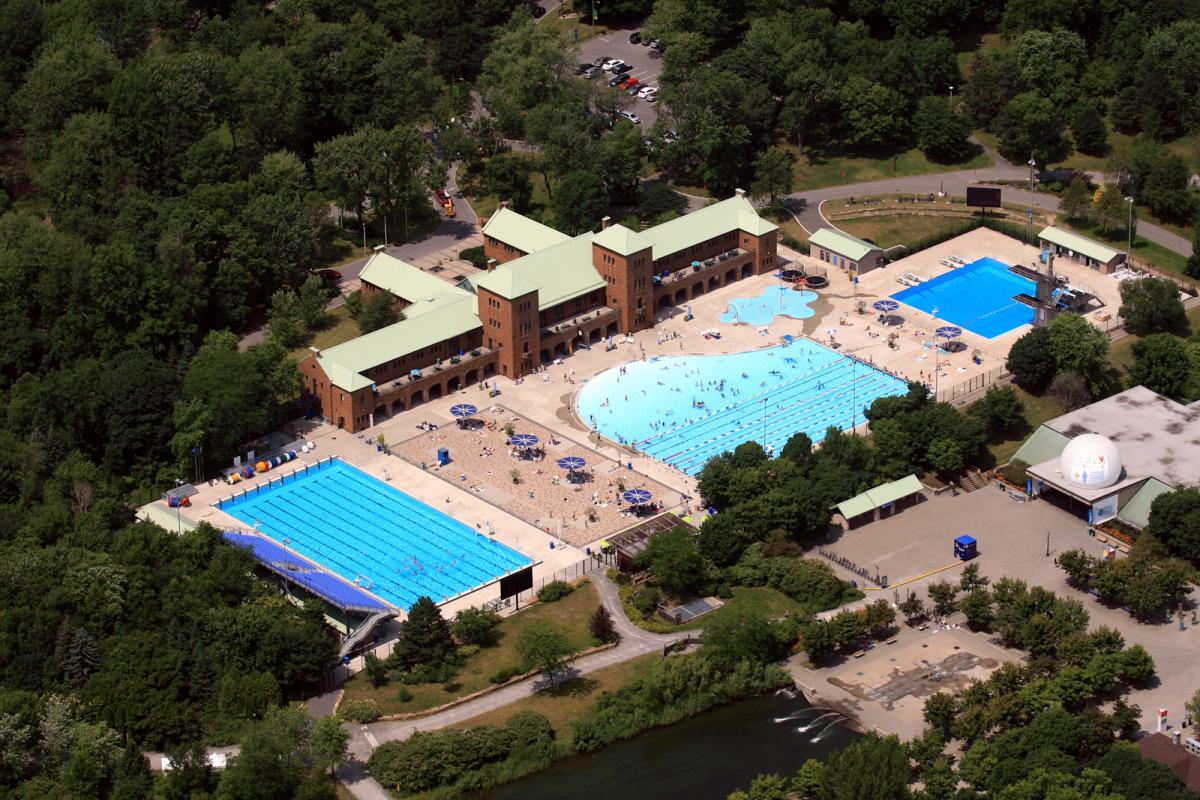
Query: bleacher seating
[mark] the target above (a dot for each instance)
(304, 573)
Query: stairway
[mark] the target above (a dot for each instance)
(972, 479)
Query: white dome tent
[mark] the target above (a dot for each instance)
(1091, 461)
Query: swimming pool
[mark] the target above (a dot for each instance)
(978, 297)
(686, 409)
(775, 301)
(374, 535)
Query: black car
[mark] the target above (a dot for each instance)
(615, 79)
(599, 62)
(537, 11)
(621, 69)
(635, 38)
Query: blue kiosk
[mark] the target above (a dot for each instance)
(965, 548)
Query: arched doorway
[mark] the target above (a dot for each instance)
(435, 391)
(397, 407)
(697, 289)
(454, 384)
(747, 270)
(664, 302)
(730, 277)
(416, 399)
(472, 376)
(681, 296)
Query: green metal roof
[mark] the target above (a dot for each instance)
(451, 312)
(879, 496)
(842, 243)
(164, 517)
(621, 240)
(1043, 445)
(736, 213)
(560, 272)
(521, 232)
(506, 283)
(1079, 244)
(400, 278)
(1137, 510)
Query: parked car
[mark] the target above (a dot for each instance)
(633, 88)
(632, 117)
(626, 80)
(582, 68)
(599, 61)
(651, 42)
(635, 37)
(591, 71)
(616, 79)
(646, 91)
(622, 68)
(329, 275)
(651, 98)
(537, 11)
(612, 64)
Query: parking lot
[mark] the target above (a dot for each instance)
(616, 45)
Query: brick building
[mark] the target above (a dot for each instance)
(549, 294)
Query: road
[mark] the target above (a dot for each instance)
(634, 642)
(806, 205)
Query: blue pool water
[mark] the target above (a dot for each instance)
(774, 301)
(978, 297)
(370, 533)
(802, 386)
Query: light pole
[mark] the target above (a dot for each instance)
(1029, 226)
(764, 441)
(1129, 233)
(385, 230)
(937, 367)
(951, 97)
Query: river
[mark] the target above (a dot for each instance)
(702, 758)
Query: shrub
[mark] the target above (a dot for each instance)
(359, 710)
(404, 695)
(504, 674)
(376, 670)
(554, 591)
(647, 599)
(475, 256)
(475, 626)
(601, 625)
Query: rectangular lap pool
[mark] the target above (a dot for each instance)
(373, 535)
(978, 297)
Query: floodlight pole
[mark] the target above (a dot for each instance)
(1129, 233)
(764, 441)
(1029, 227)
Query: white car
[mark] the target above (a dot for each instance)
(614, 62)
(647, 92)
(632, 117)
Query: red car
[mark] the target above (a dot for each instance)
(625, 84)
(330, 274)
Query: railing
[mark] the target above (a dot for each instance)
(511, 605)
(734, 261)
(958, 391)
(447, 368)
(579, 321)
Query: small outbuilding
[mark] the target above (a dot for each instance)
(1090, 253)
(882, 501)
(848, 253)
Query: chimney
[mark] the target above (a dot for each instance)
(491, 264)
(503, 204)
(604, 222)
(316, 351)
(740, 192)
(1178, 737)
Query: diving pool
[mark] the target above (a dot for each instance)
(374, 535)
(977, 296)
(775, 301)
(684, 410)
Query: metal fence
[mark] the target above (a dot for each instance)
(959, 391)
(511, 605)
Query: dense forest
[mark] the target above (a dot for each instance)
(172, 172)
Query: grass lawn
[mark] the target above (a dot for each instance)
(973, 45)
(570, 615)
(906, 229)
(1153, 254)
(485, 205)
(829, 165)
(1037, 411)
(757, 600)
(1120, 353)
(577, 27)
(1121, 146)
(573, 701)
(341, 328)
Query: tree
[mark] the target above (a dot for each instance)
(940, 711)
(1089, 131)
(424, 638)
(913, 608)
(942, 134)
(819, 641)
(1136, 776)
(1070, 390)
(807, 782)
(1162, 364)
(1175, 521)
(601, 625)
(1029, 127)
(330, 744)
(507, 177)
(1193, 262)
(378, 311)
(476, 626)
(740, 637)
(880, 618)
(1080, 347)
(870, 768)
(1076, 201)
(772, 175)
(977, 606)
(1151, 305)
(1165, 188)
(872, 115)
(544, 647)
(579, 202)
(673, 558)
(1031, 362)
(1111, 213)
(1000, 410)
(970, 580)
(375, 669)
(942, 594)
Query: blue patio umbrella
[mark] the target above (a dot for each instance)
(524, 440)
(464, 410)
(948, 332)
(638, 497)
(572, 462)
(885, 306)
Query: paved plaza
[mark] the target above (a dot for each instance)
(914, 549)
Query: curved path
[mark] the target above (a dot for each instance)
(364, 739)
(806, 206)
